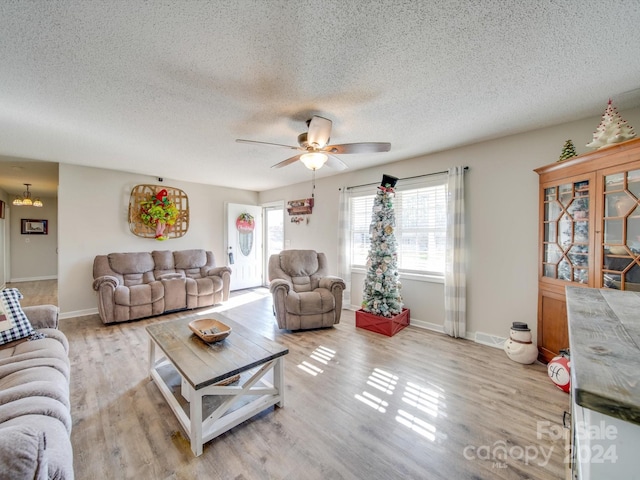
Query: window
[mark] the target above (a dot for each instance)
(421, 226)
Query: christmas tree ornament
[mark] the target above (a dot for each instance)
(612, 129)
(568, 151)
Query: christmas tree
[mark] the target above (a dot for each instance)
(612, 129)
(381, 295)
(568, 151)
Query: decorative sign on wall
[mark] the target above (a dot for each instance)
(159, 212)
(300, 207)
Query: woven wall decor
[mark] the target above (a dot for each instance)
(145, 193)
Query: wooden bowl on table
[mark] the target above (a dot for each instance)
(210, 330)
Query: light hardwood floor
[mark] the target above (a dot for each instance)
(359, 405)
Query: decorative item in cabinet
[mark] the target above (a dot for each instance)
(621, 231)
(566, 232)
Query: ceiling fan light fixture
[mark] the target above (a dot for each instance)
(313, 160)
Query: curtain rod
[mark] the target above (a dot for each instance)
(406, 178)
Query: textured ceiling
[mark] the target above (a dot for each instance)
(164, 88)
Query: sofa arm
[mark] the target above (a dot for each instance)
(336, 286)
(105, 280)
(106, 286)
(330, 282)
(217, 271)
(225, 274)
(42, 316)
(23, 452)
(280, 286)
(280, 289)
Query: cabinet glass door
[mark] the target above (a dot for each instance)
(566, 232)
(621, 231)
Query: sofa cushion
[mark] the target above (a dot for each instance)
(320, 300)
(12, 316)
(299, 263)
(131, 263)
(136, 295)
(163, 260)
(189, 259)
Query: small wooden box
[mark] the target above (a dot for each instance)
(388, 326)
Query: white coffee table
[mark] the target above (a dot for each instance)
(258, 360)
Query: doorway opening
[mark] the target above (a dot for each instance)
(273, 233)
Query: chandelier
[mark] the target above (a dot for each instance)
(25, 200)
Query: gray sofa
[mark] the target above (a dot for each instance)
(144, 284)
(35, 417)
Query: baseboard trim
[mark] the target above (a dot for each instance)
(477, 337)
(33, 279)
(434, 327)
(79, 313)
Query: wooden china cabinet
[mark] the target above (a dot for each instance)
(589, 233)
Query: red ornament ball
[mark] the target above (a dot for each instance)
(559, 371)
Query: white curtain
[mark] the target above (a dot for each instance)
(344, 244)
(455, 289)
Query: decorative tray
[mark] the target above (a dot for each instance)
(210, 330)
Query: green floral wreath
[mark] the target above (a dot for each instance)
(157, 211)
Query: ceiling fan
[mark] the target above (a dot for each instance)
(315, 148)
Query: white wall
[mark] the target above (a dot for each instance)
(93, 209)
(502, 212)
(34, 257)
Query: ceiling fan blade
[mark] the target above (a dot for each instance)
(335, 163)
(366, 147)
(241, 140)
(286, 162)
(319, 131)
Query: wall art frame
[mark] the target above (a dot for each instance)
(30, 226)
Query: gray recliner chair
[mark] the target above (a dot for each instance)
(304, 295)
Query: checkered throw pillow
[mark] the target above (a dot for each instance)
(11, 310)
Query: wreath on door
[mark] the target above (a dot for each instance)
(245, 224)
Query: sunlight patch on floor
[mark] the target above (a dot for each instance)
(416, 425)
(425, 399)
(322, 354)
(236, 301)
(310, 368)
(383, 381)
(373, 401)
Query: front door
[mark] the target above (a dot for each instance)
(244, 245)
